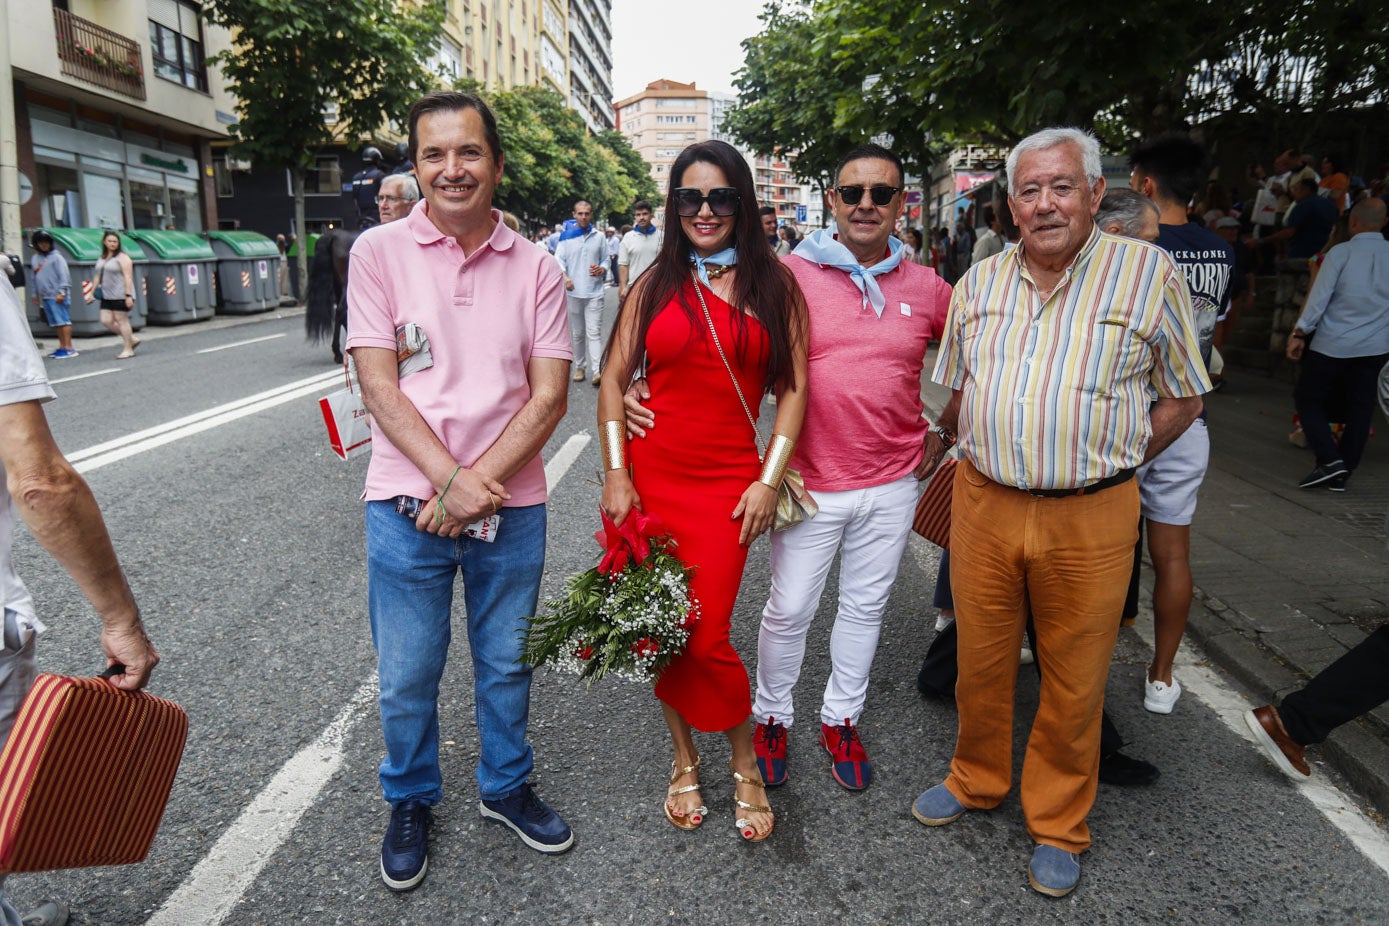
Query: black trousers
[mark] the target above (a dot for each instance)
(1350, 686)
(1321, 380)
(940, 668)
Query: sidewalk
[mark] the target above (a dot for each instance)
(1287, 579)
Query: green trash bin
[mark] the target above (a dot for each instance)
(180, 270)
(248, 272)
(81, 248)
(293, 257)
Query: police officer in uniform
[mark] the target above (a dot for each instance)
(366, 184)
(402, 155)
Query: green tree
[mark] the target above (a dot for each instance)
(292, 59)
(636, 172)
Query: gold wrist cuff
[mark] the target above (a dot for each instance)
(614, 445)
(777, 459)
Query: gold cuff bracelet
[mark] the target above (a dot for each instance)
(614, 445)
(777, 459)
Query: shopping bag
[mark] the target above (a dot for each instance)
(1265, 208)
(932, 519)
(349, 429)
(85, 774)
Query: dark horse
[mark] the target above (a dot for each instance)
(325, 298)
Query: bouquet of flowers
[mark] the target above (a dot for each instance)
(629, 615)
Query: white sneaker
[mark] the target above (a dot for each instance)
(943, 622)
(1025, 657)
(1160, 697)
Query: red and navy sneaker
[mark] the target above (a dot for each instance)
(769, 742)
(852, 768)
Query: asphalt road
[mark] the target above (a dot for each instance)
(243, 543)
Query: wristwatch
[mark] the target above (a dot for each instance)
(947, 436)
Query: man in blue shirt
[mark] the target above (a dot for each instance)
(1308, 224)
(1348, 308)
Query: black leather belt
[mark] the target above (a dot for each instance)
(1119, 478)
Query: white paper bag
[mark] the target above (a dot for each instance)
(349, 432)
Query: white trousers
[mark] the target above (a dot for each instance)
(586, 330)
(871, 527)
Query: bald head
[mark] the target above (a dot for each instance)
(1367, 216)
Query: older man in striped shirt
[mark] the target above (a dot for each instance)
(1054, 350)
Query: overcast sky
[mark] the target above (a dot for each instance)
(680, 40)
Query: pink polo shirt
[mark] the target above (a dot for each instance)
(485, 318)
(864, 422)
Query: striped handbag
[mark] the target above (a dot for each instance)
(932, 519)
(85, 774)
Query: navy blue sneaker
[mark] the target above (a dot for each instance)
(405, 850)
(1052, 871)
(538, 826)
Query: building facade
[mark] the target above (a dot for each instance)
(591, 62)
(109, 116)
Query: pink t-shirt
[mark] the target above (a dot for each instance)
(864, 423)
(485, 318)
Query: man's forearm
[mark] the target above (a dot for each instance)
(1170, 417)
(61, 512)
(523, 438)
(949, 417)
(409, 433)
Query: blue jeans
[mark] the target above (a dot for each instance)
(410, 577)
(55, 312)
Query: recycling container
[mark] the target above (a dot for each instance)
(81, 248)
(248, 272)
(180, 270)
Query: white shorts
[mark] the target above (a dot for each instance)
(1168, 483)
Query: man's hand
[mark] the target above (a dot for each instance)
(131, 648)
(933, 451)
(1296, 343)
(60, 297)
(639, 417)
(622, 292)
(597, 270)
(568, 285)
(471, 496)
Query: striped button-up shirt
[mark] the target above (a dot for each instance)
(1055, 392)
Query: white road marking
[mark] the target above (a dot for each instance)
(95, 457)
(564, 457)
(73, 379)
(213, 350)
(216, 883)
(1199, 678)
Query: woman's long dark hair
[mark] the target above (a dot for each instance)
(120, 245)
(761, 284)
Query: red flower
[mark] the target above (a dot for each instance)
(631, 541)
(646, 647)
(584, 652)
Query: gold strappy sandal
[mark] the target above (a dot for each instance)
(693, 819)
(744, 825)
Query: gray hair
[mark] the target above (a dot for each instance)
(1124, 207)
(1050, 138)
(409, 187)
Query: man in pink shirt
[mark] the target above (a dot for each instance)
(460, 340)
(860, 451)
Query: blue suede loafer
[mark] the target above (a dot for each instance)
(937, 807)
(1052, 871)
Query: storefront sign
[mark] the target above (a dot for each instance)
(177, 164)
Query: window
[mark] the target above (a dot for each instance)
(176, 43)
(324, 178)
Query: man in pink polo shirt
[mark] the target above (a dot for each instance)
(460, 340)
(861, 448)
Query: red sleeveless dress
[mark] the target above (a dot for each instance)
(690, 471)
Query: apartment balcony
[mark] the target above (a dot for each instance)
(99, 56)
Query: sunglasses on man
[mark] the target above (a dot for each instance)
(881, 195)
(722, 200)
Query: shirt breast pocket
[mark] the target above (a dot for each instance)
(1111, 350)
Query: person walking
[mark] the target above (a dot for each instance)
(456, 482)
(114, 276)
(1051, 373)
(65, 520)
(719, 322)
(51, 284)
(583, 256)
(638, 249)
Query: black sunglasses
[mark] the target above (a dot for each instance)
(881, 195)
(722, 200)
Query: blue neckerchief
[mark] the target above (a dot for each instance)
(649, 230)
(822, 247)
(726, 257)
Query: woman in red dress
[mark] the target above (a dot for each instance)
(699, 472)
